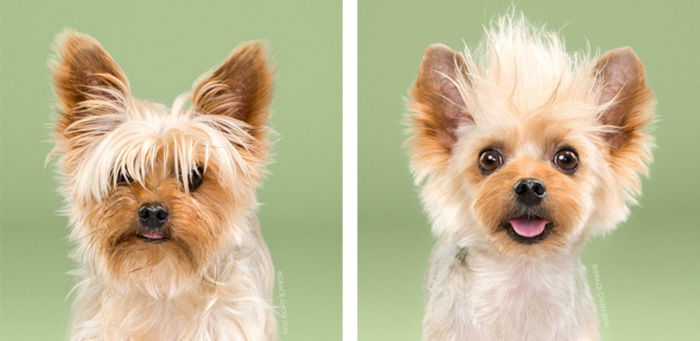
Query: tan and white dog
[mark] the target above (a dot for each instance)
(524, 152)
(162, 201)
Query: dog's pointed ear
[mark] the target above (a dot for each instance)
(241, 87)
(620, 75)
(437, 105)
(628, 111)
(86, 79)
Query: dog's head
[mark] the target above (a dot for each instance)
(151, 190)
(531, 149)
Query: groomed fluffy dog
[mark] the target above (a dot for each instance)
(524, 152)
(162, 201)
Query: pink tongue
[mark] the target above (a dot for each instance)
(528, 227)
(152, 235)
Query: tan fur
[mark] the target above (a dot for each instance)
(437, 107)
(212, 279)
(524, 95)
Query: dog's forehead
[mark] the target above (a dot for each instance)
(529, 134)
(155, 121)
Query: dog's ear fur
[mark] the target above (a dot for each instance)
(241, 87)
(86, 79)
(437, 107)
(620, 75)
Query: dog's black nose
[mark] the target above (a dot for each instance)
(529, 191)
(153, 215)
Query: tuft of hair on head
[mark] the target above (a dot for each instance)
(455, 92)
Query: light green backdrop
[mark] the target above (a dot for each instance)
(649, 268)
(163, 46)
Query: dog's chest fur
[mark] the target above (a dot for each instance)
(474, 295)
(238, 307)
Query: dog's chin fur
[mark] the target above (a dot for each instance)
(528, 98)
(211, 276)
(230, 299)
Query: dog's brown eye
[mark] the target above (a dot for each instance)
(196, 178)
(123, 178)
(490, 160)
(566, 160)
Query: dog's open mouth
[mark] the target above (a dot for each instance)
(528, 229)
(153, 237)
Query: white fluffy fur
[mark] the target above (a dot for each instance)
(231, 300)
(482, 295)
(474, 292)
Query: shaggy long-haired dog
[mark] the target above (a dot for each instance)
(524, 152)
(162, 201)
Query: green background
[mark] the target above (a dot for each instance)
(162, 47)
(649, 268)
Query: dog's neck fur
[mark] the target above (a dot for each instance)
(229, 304)
(478, 294)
